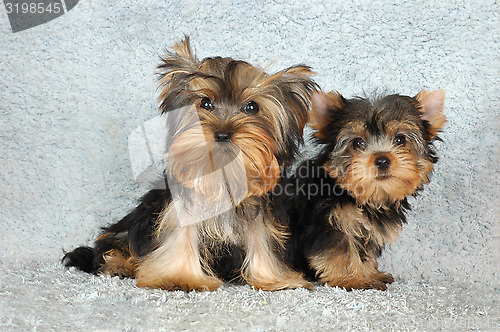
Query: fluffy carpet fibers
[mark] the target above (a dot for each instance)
(72, 90)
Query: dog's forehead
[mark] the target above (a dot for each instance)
(231, 71)
(386, 115)
(396, 107)
(233, 81)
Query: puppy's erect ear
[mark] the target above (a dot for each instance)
(432, 109)
(323, 104)
(174, 70)
(297, 87)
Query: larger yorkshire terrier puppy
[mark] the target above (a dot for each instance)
(236, 130)
(351, 198)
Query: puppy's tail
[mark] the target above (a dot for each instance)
(116, 248)
(83, 258)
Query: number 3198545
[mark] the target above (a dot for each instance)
(33, 8)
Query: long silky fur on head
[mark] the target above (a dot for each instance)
(268, 140)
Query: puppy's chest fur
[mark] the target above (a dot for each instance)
(229, 242)
(364, 225)
(230, 227)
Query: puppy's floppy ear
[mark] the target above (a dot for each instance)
(297, 87)
(432, 109)
(175, 69)
(323, 104)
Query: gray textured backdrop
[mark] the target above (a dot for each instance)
(72, 90)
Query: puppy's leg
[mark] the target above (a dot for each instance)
(110, 256)
(118, 261)
(262, 268)
(176, 264)
(343, 267)
(117, 248)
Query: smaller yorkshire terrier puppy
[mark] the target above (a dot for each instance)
(232, 129)
(350, 199)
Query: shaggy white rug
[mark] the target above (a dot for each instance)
(72, 90)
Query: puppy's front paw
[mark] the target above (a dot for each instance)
(182, 283)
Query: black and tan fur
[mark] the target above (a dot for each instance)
(350, 200)
(240, 108)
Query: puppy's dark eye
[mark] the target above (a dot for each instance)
(251, 108)
(359, 144)
(207, 104)
(400, 140)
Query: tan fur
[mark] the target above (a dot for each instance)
(262, 168)
(176, 264)
(322, 104)
(361, 179)
(350, 220)
(119, 263)
(341, 266)
(395, 127)
(192, 163)
(346, 270)
(432, 109)
(355, 128)
(261, 268)
(406, 174)
(184, 50)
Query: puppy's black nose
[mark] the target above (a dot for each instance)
(222, 136)
(382, 163)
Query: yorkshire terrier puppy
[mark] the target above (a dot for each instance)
(237, 129)
(350, 200)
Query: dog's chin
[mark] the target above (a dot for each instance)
(224, 155)
(226, 149)
(383, 177)
(380, 191)
(388, 189)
